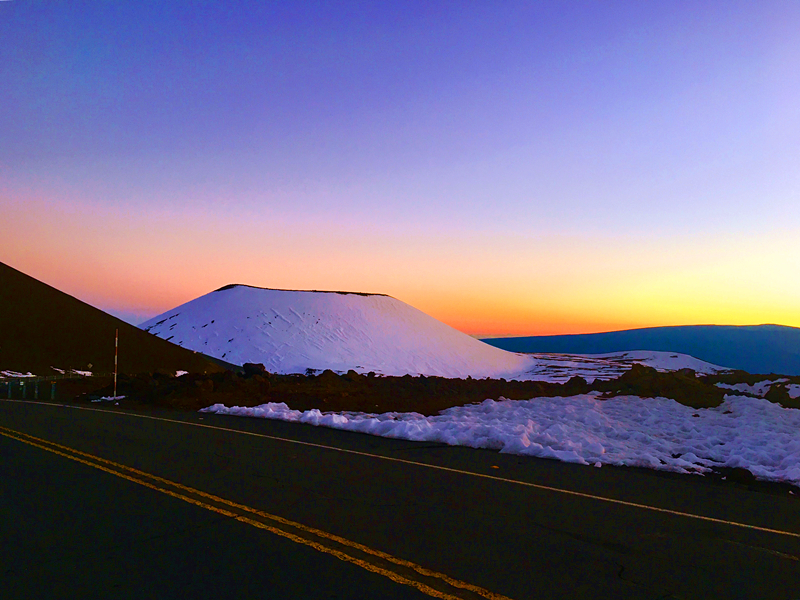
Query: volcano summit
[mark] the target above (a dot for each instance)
(292, 331)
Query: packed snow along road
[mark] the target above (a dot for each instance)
(659, 433)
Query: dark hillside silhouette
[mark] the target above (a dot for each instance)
(42, 327)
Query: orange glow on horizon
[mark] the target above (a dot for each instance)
(148, 263)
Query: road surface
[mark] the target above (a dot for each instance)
(98, 503)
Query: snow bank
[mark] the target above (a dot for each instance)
(658, 433)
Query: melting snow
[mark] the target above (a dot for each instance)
(659, 433)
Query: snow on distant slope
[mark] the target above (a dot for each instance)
(760, 388)
(558, 368)
(292, 331)
(662, 361)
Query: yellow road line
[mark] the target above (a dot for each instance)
(95, 461)
(538, 486)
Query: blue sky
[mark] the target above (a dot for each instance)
(473, 159)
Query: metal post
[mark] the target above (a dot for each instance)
(22, 390)
(53, 390)
(116, 352)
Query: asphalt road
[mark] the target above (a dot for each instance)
(95, 504)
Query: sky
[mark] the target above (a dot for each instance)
(510, 168)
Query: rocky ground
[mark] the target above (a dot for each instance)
(426, 395)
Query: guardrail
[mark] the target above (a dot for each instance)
(28, 388)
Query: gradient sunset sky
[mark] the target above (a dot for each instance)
(506, 167)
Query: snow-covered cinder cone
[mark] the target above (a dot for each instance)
(293, 331)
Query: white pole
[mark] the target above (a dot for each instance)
(116, 352)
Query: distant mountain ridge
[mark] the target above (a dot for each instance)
(752, 348)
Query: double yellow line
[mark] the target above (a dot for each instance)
(427, 581)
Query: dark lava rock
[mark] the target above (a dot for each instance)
(351, 375)
(647, 382)
(328, 377)
(576, 385)
(251, 369)
(738, 475)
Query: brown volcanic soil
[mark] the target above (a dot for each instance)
(41, 327)
(364, 393)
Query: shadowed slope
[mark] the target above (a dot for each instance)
(41, 327)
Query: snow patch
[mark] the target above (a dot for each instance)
(558, 368)
(108, 399)
(759, 389)
(14, 374)
(663, 361)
